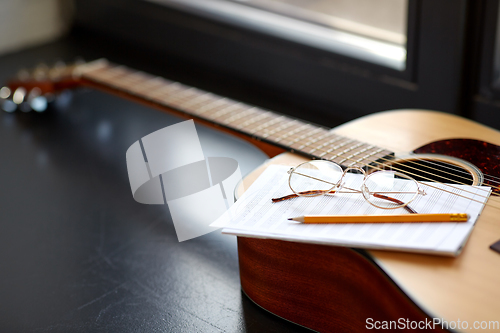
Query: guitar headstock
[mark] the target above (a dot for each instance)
(35, 89)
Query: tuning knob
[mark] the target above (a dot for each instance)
(6, 102)
(36, 101)
(19, 98)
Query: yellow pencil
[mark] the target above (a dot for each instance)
(404, 218)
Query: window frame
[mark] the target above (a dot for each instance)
(336, 87)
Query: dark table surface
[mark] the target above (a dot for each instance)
(77, 253)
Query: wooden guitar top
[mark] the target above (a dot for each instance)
(464, 288)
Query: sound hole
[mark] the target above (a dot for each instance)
(433, 170)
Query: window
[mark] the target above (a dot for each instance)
(371, 30)
(256, 42)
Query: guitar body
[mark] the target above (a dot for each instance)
(328, 288)
(334, 289)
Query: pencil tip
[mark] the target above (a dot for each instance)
(290, 219)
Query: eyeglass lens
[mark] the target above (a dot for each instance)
(383, 189)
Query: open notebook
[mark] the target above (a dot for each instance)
(254, 215)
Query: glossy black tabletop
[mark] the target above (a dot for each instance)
(77, 253)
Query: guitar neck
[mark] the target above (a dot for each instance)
(295, 135)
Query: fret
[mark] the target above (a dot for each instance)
(345, 153)
(159, 95)
(299, 134)
(172, 90)
(210, 107)
(221, 109)
(151, 85)
(380, 155)
(258, 121)
(369, 150)
(297, 146)
(131, 78)
(176, 100)
(198, 105)
(248, 113)
(354, 162)
(278, 135)
(225, 110)
(241, 112)
(310, 146)
(298, 126)
(339, 144)
(310, 137)
(328, 140)
(110, 82)
(127, 83)
(324, 134)
(372, 156)
(107, 77)
(332, 155)
(288, 132)
(351, 148)
(139, 87)
(265, 129)
(261, 127)
(342, 148)
(233, 116)
(248, 124)
(285, 129)
(140, 76)
(322, 143)
(348, 153)
(117, 77)
(187, 93)
(368, 155)
(162, 90)
(108, 72)
(339, 160)
(202, 98)
(310, 150)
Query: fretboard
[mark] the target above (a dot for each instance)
(295, 135)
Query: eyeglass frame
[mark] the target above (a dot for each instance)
(341, 186)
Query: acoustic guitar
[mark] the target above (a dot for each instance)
(328, 288)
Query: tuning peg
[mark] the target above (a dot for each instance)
(57, 70)
(36, 101)
(5, 102)
(31, 101)
(41, 72)
(23, 75)
(18, 97)
(4, 93)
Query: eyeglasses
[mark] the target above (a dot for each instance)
(381, 189)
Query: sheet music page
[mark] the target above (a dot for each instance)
(255, 215)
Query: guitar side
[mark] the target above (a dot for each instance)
(462, 289)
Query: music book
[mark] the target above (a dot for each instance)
(255, 215)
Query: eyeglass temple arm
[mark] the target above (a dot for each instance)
(385, 197)
(319, 192)
(305, 193)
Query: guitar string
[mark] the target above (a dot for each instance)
(427, 172)
(370, 165)
(186, 91)
(393, 162)
(436, 187)
(365, 164)
(412, 159)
